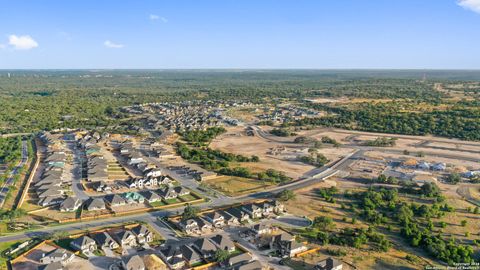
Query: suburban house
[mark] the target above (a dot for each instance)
(190, 226)
(133, 263)
(203, 225)
(152, 172)
(104, 240)
(253, 210)
(57, 255)
(144, 235)
(70, 204)
(101, 186)
(238, 260)
(95, 204)
(287, 246)
(223, 243)
(217, 220)
(126, 238)
(190, 255)
(255, 265)
(229, 219)
(239, 213)
(151, 196)
(133, 197)
(113, 200)
(168, 194)
(329, 264)
(84, 244)
(205, 247)
(181, 191)
(174, 257)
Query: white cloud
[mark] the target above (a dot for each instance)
(154, 17)
(22, 42)
(473, 5)
(2, 46)
(110, 44)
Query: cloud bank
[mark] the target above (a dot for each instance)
(473, 5)
(22, 42)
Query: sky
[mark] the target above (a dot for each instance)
(241, 34)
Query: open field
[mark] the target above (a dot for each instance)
(235, 186)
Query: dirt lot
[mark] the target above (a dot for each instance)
(235, 141)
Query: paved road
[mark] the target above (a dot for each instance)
(9, 181)
(76, 172)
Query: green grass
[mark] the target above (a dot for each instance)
(157, 204)
(172, 201)
(4, 246)
(188, 198)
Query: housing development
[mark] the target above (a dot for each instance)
(259, 182)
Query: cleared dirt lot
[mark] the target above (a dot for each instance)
(235, 141)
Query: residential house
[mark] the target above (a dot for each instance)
(238, 260)
(114, 200)
(229, 219)
(144, 235)
(190, 226)
(329, 264)
(173, 256)
(223, 242)
(205, 247)
(278, 207)
(262, 229)
(104, 240)
(253, 210)
(168, 194)
(57, 255)
(239, 213)
(151, 196)
(181, 191)
(84, 244)
(52, 200)
(203, 225)
(126, 238)
(217, 220)
(287, 246)
(133, 263)
(152, 172)
(70, 204)
(190, 255)
(133, 197)
(267, 208)
(95, 204)
(101, 186)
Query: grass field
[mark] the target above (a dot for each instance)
(234, 186)
(3, 247)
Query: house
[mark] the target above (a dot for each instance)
(168, 194)
(253, 210)
(217, 220)
(133, 263)
(329, 264)
(84, 244)
(286, 245)
(95, 204)
(174, 257)
(144, 235)
(278, 207)
(48, 201)
(151, 196)
(203, 225)
(190, 255)
(126, 238)
(261, 229)
(51, 192)
(190, 226)
(240, 214)
(181, 191)
(70, 204)
(255, 265)
(135, 160)
(57, 255)
(53, 266)
(229, 219)
(223, 243)
(163, 180)
(266, 207)
(205, 247)
(241, 259)
(439, 166)
(104, 240)
(423, 165)
(101, 186)
(153, 262)
(133, 197)
(114, 200)
(152, 172)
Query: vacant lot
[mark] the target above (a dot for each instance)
(235, 186)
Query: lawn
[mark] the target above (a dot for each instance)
(235, 186)
(172, 201)
(188, 198)
(3, 247)
(157, 204)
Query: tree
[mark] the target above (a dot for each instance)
(286, 195)
(454, 178)
(323, 223)
(221, 255)
(190, 212)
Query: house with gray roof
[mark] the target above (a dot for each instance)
(84, 244)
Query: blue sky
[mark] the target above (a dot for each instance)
(440, 34)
